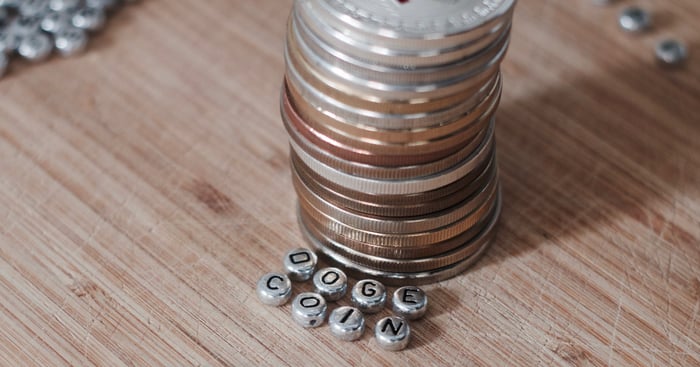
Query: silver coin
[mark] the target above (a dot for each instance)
(390, 121)
(413, 25)
(401, 278)
(70, 41)
(35, 47)
(363, 69)
(403, 187)
(375, 91)
(634, 19)
(89, 19)
(414, 19)
(410, 55)
(468, 210)
(671, 52)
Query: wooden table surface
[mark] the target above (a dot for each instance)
(145, 187)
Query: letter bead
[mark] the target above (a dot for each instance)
(410, 302)
(347, 323)
(369, 296)
(274, 289)
(392, 333)
(309, 309)
(331, 283)
(300, 264)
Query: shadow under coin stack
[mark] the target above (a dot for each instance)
(390, 110)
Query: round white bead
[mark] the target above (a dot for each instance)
(9, 42)
(634, 19)
(410, 302)
(4, 61)
(55, 22)
(71, 41)
(274, 289)
(29, 8)
(64, 5)
(309, 309)
(671, 52)
(101, 4)
(392, 333)
(347, 323)
(36, 47)
(300, 264)
(25, 26)
(89, 19)
(368, 295)
(331, 283)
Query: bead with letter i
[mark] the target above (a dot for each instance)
(410, 302)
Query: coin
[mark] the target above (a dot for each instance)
(394, 225)
(406, 277)
(375, 152)
(388, 32)
(422, 203)
(403, 187)
(379, 172)
(399, 240)
(386, 73)
(390, 110)
(395, 141)
(299, 90)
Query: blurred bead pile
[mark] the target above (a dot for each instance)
(635, 19)
(33, 29)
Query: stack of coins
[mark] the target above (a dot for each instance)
(389, 105)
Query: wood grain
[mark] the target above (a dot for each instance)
(145, 188)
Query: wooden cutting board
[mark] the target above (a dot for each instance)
(145, 187)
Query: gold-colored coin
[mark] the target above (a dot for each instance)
(421, 203)
(334, 225)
